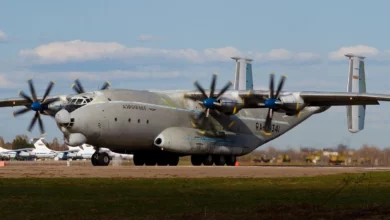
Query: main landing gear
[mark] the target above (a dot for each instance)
(100, 159)
(209, 160)
(155, 158)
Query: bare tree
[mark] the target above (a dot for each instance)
(2, 142)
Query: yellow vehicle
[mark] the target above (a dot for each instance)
(284, 158)
(336, 160)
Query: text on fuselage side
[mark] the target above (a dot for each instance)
(136, 107)
(274, 127)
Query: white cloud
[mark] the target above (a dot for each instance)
(148, 37)
(120, 74)
(62, 52)
(3, 36)
(361, 50)
(6, 83)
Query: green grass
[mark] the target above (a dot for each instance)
(346, 196)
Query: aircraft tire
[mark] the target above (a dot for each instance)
(208, 160)
(163, 160)
(230, 160)
(219, 160)
(139, 159)
(196, 160)
(104, 159)
(94, 159)
(150, 160)
(173, 160)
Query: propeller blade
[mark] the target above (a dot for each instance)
(41, 124)
(199, 87)
(48, 90)
(32, 90)
(79, 86)
(22, 94)
(21, 112)
(281, 82)
(268, 120)
(212, 87)
(271, 86)
(52, 100)
(224, 89)
(207, 112)
(105, 85)
(33, 121)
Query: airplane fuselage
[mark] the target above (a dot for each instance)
(129, 121)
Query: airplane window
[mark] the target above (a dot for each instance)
(147, 121)
(115, 119)
(129, 120)
(84, 102)
(79, 101)
(74, 101)
(139, 120)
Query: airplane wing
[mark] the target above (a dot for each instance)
(342, 98)
(322, 98)
(310, 98)
(68, 151)
(21, 149)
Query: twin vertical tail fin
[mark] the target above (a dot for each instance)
(39, 144)
(356, 83)
(243, 79)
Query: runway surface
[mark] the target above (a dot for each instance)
(52, 170)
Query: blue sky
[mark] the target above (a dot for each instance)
(169, 44)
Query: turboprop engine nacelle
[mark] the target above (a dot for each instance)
(189, 141)
(230, 106)
(292, 103)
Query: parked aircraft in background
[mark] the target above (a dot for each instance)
(213, 127)
(7, 154)
(85, 151)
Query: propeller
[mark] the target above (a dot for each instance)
(80, 89)
(37, 105)
(272, 102)
(210, 102)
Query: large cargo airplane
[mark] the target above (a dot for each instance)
(212, 126)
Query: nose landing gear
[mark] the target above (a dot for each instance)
(100, 159)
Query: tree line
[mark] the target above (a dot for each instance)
(22, 141)
(365, 154)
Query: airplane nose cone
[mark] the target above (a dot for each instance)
(62, 117)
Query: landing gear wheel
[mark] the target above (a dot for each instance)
(230, 160)
(196, 160)
(173, 160)
(208, 160)
(163, 160)
(219, 160)
(104, 159)
(139, 159)
(94, 159)
(151, 160)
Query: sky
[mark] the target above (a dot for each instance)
(166, 45)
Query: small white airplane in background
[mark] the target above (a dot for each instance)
(85, 151)
(6, 154)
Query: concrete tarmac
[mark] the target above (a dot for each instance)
(82, 170)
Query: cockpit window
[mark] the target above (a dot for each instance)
(79, 101)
